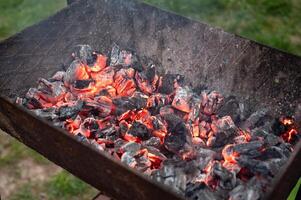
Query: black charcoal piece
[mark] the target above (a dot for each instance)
(175, 140)
(153, 142)
(255, 166)
(272, 152)
(48, 114)
(150, 73)
(124, 104)
(109, 133)
(231, 108)
(256, 119)
(128, 159)
(139, 130)
(204, 156)
(211, 101)
(131, 147)
(139, 100)
(71, 72)
(66, 112)
(167, 83)
(200, 191)
(82, 84)
(251, 149)
(84, 53)
(172, 121)
(226, 130)
(122, 57)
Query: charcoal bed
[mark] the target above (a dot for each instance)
(258, 75)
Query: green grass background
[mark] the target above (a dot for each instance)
(276, 23)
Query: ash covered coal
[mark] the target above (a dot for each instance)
(203, 145)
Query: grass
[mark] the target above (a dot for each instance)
(15, 151)
(15, 15)
(24, 193)
(272, 22)
(62, 186)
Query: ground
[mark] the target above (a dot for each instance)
(26, 175)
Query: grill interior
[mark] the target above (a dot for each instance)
(208, 57)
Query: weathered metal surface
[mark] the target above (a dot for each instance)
(259, 75)
(92, 166)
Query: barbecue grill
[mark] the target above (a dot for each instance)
(259, 75)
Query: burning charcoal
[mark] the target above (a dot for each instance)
(98, 63)
(147, 80)
(211, 102)
(287, 129)
(118, 144)
(139, 100)
(89, 127)
(143, 162)
(204, 156)
(167, 83)
(217, 175)
(32, 103)
(121, 57)
(162, 128)
(54, 89)
(195, 105)
(182, 98)
(103, 78)
(73, 125)
(155, 156)
(250, 149)
(84, 53)
(124, 82)
(256, 119)
(159, 128)
(128, 159)
(224, 129)
(157, 101)
(66, 112)
(102, 104)
(122, 105)
(109, 91)
(272, 152)
(107, 135)
(255, 166)
(139, 130)
(76, 71)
